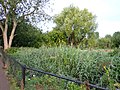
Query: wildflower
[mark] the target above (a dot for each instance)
(33, 75)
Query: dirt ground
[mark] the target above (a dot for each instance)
(4, 84)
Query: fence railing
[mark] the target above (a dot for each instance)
(24, 68)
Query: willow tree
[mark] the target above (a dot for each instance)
(76, 23)
(14, 11)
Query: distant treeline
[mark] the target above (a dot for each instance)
(27, 35)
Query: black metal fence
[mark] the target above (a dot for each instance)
(24, 68)
(16, 66)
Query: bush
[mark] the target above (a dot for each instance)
(115, 52)
(12, 50)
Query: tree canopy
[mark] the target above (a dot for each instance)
(27, 35)
(116, 39)
(14, 11)
(22, 9)
(77, 23)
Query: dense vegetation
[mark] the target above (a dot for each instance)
(13, 12)
(96, 66)
(61, 50)
(73, 27)
(27, 35)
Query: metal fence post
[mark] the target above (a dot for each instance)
(23, 76)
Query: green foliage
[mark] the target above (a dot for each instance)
(97, 35)
(46, 82)
(23, 10)
(91, 40)
(115, 52)
(73, 86)
(116, 39)
(13, 83)
(15, 11)
(108, 41)
(71, 19)
(104, 42)
(71, 62)
(57, 38)
(12, 50)
(107, 79)
(27, 35)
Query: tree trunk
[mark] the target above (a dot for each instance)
(5, 39)
(12, 33)
(7, 44)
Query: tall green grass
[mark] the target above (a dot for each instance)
(72, 62)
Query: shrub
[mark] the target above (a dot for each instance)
(115, 52)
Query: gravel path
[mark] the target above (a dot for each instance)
(4, 84)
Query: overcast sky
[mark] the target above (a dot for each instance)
(107, 12)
